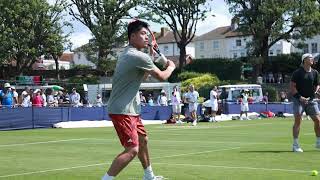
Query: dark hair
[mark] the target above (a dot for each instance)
(136, 26)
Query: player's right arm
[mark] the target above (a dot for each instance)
(162, 75)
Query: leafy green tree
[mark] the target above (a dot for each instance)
(27, 31)
(269, 21)
(103, 18)
(181, 16)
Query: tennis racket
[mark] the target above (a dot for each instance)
(153, 43)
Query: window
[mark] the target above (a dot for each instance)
(202, 56)
(215, 44)
(235, 55)
(79, 56)
(279, 51)
(271, 52)
(166, 49)
(314, 47)
(238, 42)
(201, 46)
(243, 54)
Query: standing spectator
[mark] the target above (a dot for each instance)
(75, 98)
(162, 99)
(214, 103)
(37, 100)
(99, 101)
(192, 99)
(223, 96)
(124, 104)
(303, 86)
(265, 98)
(15, 96)
(26, 97)
(244, 104)
(150, 100)
(176, 104)
(142, 99)
(7, 96)
(44, 97)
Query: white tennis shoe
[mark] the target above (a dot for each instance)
(153, 178)
(296, 148)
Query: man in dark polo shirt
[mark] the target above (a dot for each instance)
(303, 86)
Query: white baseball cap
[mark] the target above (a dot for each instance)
(7, 85)
(307, 55)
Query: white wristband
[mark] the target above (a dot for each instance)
(170, 68)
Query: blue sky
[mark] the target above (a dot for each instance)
(81, 34)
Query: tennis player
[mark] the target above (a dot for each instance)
(124, 103)
(303, 86)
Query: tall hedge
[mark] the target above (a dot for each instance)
(225, 69)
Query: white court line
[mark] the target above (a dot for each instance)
(100, 164)
(235, 167)
(205, 127)
(43, 142)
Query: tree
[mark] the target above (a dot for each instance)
(27, 32)
(103, 18)
(182, 18)
(269, 21)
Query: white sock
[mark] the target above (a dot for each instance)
(295, 141)
(148, 171)
(107, 177)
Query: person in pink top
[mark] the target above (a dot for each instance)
(37, 100)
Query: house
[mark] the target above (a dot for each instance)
(168, 47)
(310, 45)
(228, 42)
(48, 63)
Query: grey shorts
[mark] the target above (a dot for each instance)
(311, 108)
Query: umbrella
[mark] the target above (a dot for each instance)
(57, 88)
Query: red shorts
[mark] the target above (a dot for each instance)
(128, 128)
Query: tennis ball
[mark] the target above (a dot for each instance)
(314, 173)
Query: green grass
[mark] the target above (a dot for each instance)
(232, 150)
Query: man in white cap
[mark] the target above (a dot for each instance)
(6, 96)
(303, 86)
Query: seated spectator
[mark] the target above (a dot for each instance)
(162, 99)
(26, 97)
(283, 97)
(64, 100)
(150, 100)
(265, 98)
(75, 98)
(15, 96)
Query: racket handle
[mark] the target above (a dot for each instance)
(162, 59)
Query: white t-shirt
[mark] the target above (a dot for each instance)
(176, 98)
(193, 97)
(163, 100)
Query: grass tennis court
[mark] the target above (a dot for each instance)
(232, 150)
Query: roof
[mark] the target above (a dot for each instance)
(66, 57)
(168, 37)
(219, 33)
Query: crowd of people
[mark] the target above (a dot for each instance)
(10, 98)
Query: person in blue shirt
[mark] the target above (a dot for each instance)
(6, 96)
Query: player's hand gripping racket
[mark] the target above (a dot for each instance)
(153, 43)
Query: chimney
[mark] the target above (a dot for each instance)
(163, 31)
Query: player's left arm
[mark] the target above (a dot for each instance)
(316, 82)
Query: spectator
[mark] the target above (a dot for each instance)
(150, 100)
(37, 100)
(192, 99)
(142, 99)
(244, 104)
(44, 97)
(64, 100)
(270, 77)
(15, 96)
(99, 101)
(176, 104)
(214, 104)
(7, 96)
(75, 98)
(162, 99)
(283, 96)
(51, 100)
(26, 97)
(223, 96)
(265, 98)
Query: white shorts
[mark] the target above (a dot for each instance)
(176, 109)
(214, 106)
(244, 107)
(193, 107)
